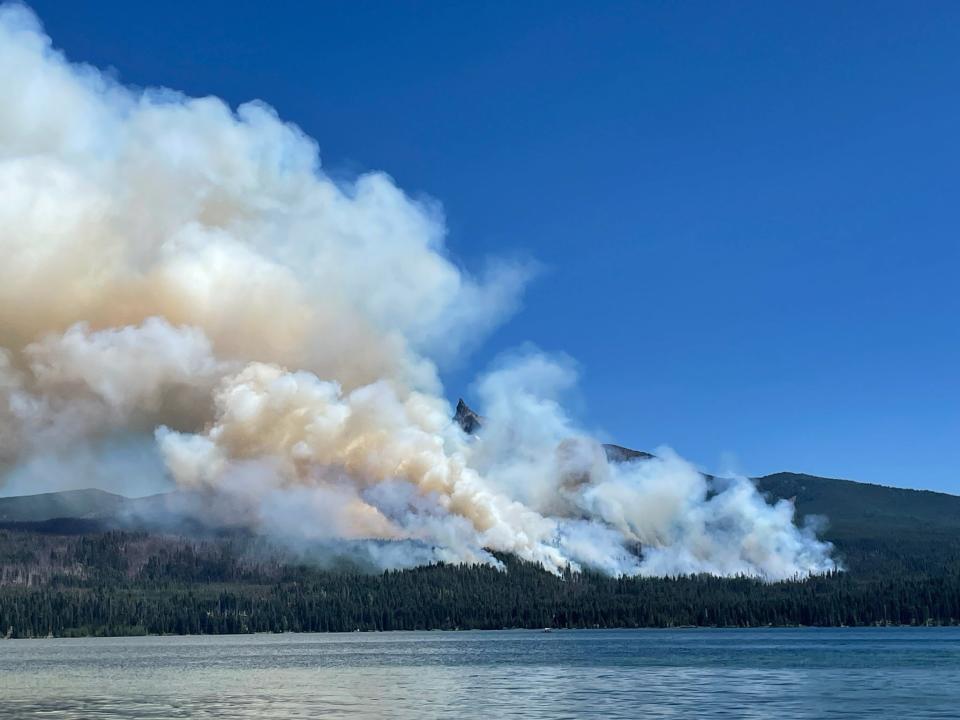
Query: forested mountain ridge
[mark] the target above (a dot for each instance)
(876, 528)
(88, 504)
(850, 503)
(89, 562)
(873, 527)
(852, 511)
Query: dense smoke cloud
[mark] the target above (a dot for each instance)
(186, 275)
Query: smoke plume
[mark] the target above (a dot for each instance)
(185, 275)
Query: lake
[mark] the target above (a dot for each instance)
(903, 673)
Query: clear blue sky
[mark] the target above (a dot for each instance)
(747, 212)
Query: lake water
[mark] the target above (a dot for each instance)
(903, 673)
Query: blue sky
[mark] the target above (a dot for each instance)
(746, 213)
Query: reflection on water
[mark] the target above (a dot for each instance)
(841, 673)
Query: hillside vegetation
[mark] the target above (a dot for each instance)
(77, 563)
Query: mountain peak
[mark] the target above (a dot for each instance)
(467, 419)
(620, 454)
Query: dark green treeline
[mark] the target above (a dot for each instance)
(119, 583)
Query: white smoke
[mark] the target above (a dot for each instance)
(174, 269)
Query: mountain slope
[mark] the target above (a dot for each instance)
(86, 504)
(876, 529)
(853, 505)
(849, 507)
(67, 577)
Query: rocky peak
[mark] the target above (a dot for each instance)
(619, 454)
(467, 419)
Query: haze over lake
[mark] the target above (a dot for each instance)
(777, 673)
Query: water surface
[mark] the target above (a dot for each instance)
(807, 673)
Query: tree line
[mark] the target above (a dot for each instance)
(120, 583)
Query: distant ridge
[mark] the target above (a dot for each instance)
(92, 510)
(875, 528)
(865, 510)
(470, 422)
(88, 504)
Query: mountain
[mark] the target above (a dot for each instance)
(900, 549)
(860, 509)
(874, 528)
(870, 524)
(618, 454)
(852, 509)
(470, 422)
(88, 562)
(467, 418)
(76, 504)
(73, 512)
